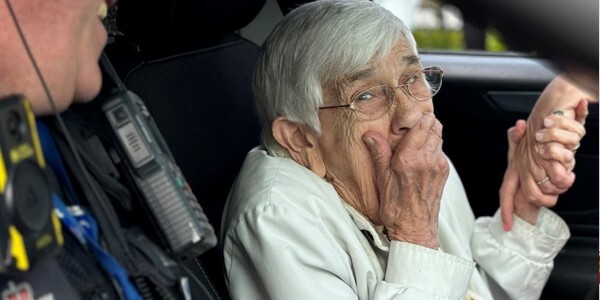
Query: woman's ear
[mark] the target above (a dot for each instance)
(290, 135)
(300, 142)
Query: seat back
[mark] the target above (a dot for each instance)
(202, 103)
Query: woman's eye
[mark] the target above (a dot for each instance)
(364, 96)
(412, 79)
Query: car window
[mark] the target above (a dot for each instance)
(439, 25)
(435, 24)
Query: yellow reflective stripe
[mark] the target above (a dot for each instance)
(34, 135)
(17, 249)
(20, 153)
(57, 229)
(3, 173)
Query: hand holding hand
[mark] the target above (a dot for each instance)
(541, 168)
(562, 97)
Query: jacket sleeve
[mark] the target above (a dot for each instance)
(423, 273)
(518, 263)
(276, 253)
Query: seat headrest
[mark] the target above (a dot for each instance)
(183, 23)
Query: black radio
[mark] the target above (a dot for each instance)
(29, 228)
(173, 206)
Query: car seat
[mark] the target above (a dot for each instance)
(193, 70)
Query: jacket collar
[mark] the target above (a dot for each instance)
(376, 233)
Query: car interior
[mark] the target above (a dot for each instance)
(191, 65)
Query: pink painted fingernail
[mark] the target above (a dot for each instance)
(548, 122)
(506, 227)
(539, 136)
(541, 150)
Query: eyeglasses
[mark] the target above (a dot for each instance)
(375, 102)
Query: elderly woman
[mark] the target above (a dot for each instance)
(350, 196)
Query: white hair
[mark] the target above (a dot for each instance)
(314, 46)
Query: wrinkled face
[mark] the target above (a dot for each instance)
(348, 162)
(66, 38)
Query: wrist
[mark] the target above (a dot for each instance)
(528, 212)
(427, 240)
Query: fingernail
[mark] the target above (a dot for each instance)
(539, 136)
(541, 150)
(369, 141)
(548, 122)
(506, 227)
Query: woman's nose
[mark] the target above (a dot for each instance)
(407, 112)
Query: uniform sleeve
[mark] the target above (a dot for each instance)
(276, 253)
(518, 261)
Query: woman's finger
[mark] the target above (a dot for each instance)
(556, 152)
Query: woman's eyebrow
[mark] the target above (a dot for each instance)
(359, 75)
(366, 73)
(411, 59)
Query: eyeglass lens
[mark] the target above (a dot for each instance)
(425, 83)
(376, 101)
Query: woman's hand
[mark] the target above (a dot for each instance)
(531, 156)
(546, 154)
(542, 169)
(562, 96)
(410, 180)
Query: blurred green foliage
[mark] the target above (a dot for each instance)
(443, 39)
(493, 41)
(439, 39)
